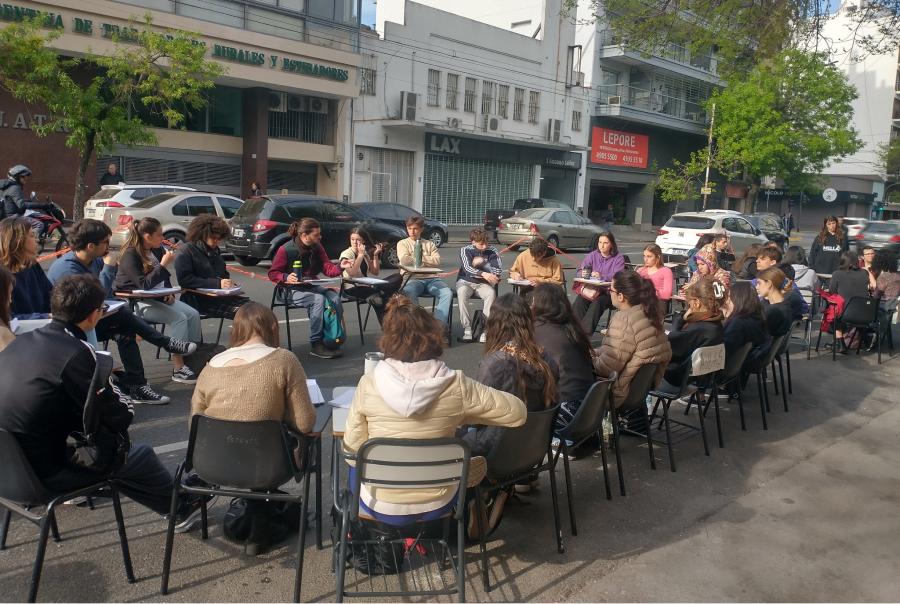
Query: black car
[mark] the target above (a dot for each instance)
(879, 235)
(260, 227)
(397, 213)
(771, 226)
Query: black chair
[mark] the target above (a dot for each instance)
(390, 464)
(243, 459)
(587, 423)
(759, 370)
(635, 400)
(732, 376)
(518, 454)
(21, 491)
(861, 313)
(782, 353)
(348, 299)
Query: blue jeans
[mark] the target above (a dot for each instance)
(435, 287)
(312, 298)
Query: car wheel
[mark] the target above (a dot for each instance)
(391, 257)
(247, 260)
(553, 240)
(175, 237)
(436, 237)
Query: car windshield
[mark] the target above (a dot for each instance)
(534, 213)
(154, 200)
(106, 193)
(690, 222)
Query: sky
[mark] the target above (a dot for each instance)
(368, 13)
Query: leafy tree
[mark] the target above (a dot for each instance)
(889, 158)
(96, 100)
(682, 181)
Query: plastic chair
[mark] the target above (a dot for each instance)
(348, 299)
(407, 464)
(759, 370)
(635, 399)
(732, 375)
(242, 459)
(587, 422)
(21, 490)
(861, 313)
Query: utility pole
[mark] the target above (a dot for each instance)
(706, 188)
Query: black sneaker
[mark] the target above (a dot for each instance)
(176, 346)
(145, 395)
(319, 350)
(184, 376)
(191, 512)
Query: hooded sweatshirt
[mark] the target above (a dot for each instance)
(805, 277)
(421, 400)
(824, 257)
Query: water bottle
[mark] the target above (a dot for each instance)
(417, 254)
(298, 269)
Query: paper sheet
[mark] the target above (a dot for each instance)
(315, 393)
(221, 292)
(20, 326)
(114, 305)
(369, 281)
(343, 397)
(157, 292)
(518, 281)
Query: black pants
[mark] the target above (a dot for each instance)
(589, 313)
(123, 326)
(385, 291)
(221, 307)
(143, 478)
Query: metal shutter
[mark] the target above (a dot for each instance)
(384, 175)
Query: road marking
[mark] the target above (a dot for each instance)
(162, 449)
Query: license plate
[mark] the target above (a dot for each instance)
(89, 212)
(237, 232)
(681, 233)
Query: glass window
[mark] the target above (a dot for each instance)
(200, 204)
(142, 193)
(216, 11)
(534, 106)
(367, 75)
(503, 101)
(275, 24)
(561, 217)
(469, 105)
(345, 12)
(180, 209)
(323, 9)
(303, 209)
(487, 96)
(452, 90)
(229, 206)
(519, 104)
(295, 5)
(225, 116)
(690, 222)
(576, 121)
(434, 87)
(154, 200)
(743, 226)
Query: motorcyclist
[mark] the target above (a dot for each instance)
(15, 203)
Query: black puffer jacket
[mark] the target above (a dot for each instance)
(14, 201)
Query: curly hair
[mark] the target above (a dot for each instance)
(205, 226)
(410, 333)
(885, 261)
(14, 232)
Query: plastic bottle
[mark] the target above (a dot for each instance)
(417, 254)
(298, 269)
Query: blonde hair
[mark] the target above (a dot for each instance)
(14, 233)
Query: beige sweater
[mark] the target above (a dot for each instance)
(547, 270)
(431, 257)
(6, 336)
(274, 387)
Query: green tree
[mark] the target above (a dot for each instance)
(889, 159)
(788, 118)
(681, 181)
(96, 100)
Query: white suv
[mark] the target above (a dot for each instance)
(680, 233)
(123, 195)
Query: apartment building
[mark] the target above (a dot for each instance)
(279, 115)
(456, 116)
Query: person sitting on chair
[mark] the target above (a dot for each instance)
(479, 272)
(417, 252)
(363, 259)
(7, 281)
(602, 263)
(42, 403)
(18, 251)
(305, 247)
(537, 264)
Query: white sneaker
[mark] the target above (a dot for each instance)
(482, 338)
(467, 334)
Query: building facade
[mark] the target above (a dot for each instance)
(279, 115)
(457, 116)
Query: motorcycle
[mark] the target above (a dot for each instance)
(55, 225)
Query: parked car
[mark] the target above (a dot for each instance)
(880, 235)
(122, 196)
(397, 213)
(855, 226)
(561, 227)
(771, 226)
(680, 233)
(260, 227)
(174, 210)
(493, 216)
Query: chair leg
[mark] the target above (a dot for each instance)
(809, 337)
(39, 557)
(762, 403)
(783, 391)
(605, 467)
(4, 528)
(287, 323)
(774, 378)
(665, 406)
(204, 522)
(740, 400)
(649, 423)
(170, 538)
(834, 343)
(54, 528)
(787, 360)
(342, 553)
(301, 543)
(702, 428)
(219, 333)
(123, 538)
(765, 380)
(715, 397)
(480, 513)
(362, 338)
(560, 548)
(563, 447)
(319, 494)
(618, 444)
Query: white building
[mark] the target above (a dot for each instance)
(457, 116)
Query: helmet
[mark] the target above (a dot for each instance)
(17, 171)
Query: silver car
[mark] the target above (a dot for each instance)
(174, 210)
(561, 227)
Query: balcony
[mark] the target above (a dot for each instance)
(673, 58)
(645, 106)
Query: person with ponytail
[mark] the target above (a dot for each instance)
(700, 325)
(144, 264)
(635, 336)
(774, 287)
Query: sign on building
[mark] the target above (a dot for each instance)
(617, 148)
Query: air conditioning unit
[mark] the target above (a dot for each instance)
(298, 103)
(408, 103)
(317, 105)
(491, 122)
(553, 130)
(278, 101)
(614, 100)
(453, 122)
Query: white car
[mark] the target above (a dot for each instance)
(122, 196)
(854, 226)
(680, 233)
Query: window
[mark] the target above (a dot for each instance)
(199, 205)
(503, 101)
(452, 90)
(487, 96)
(534, 106)
(469, 103)
(562, 217)
(229, 206)
(434, 88)
(367, 73)
(518, 104)
(298, 210)
(576, 121)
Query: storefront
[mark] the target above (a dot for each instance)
(810, 213)
(463, 176)
(276, 116)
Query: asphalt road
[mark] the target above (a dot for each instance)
(803, 511)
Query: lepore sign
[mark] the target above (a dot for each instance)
(617, 148)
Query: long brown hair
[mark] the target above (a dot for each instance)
(752, 251)
(657, 253)
(838, 231)
(410, 333)
(135, 240)
(14, 233)
(7, 281)
(254, 319)
(510, 329)
(705, 291)
(550, 304)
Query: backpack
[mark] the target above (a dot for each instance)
(333, 334)
(478, 324)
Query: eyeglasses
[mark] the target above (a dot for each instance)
(613, 290)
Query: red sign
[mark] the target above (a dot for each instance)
(616, 148)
